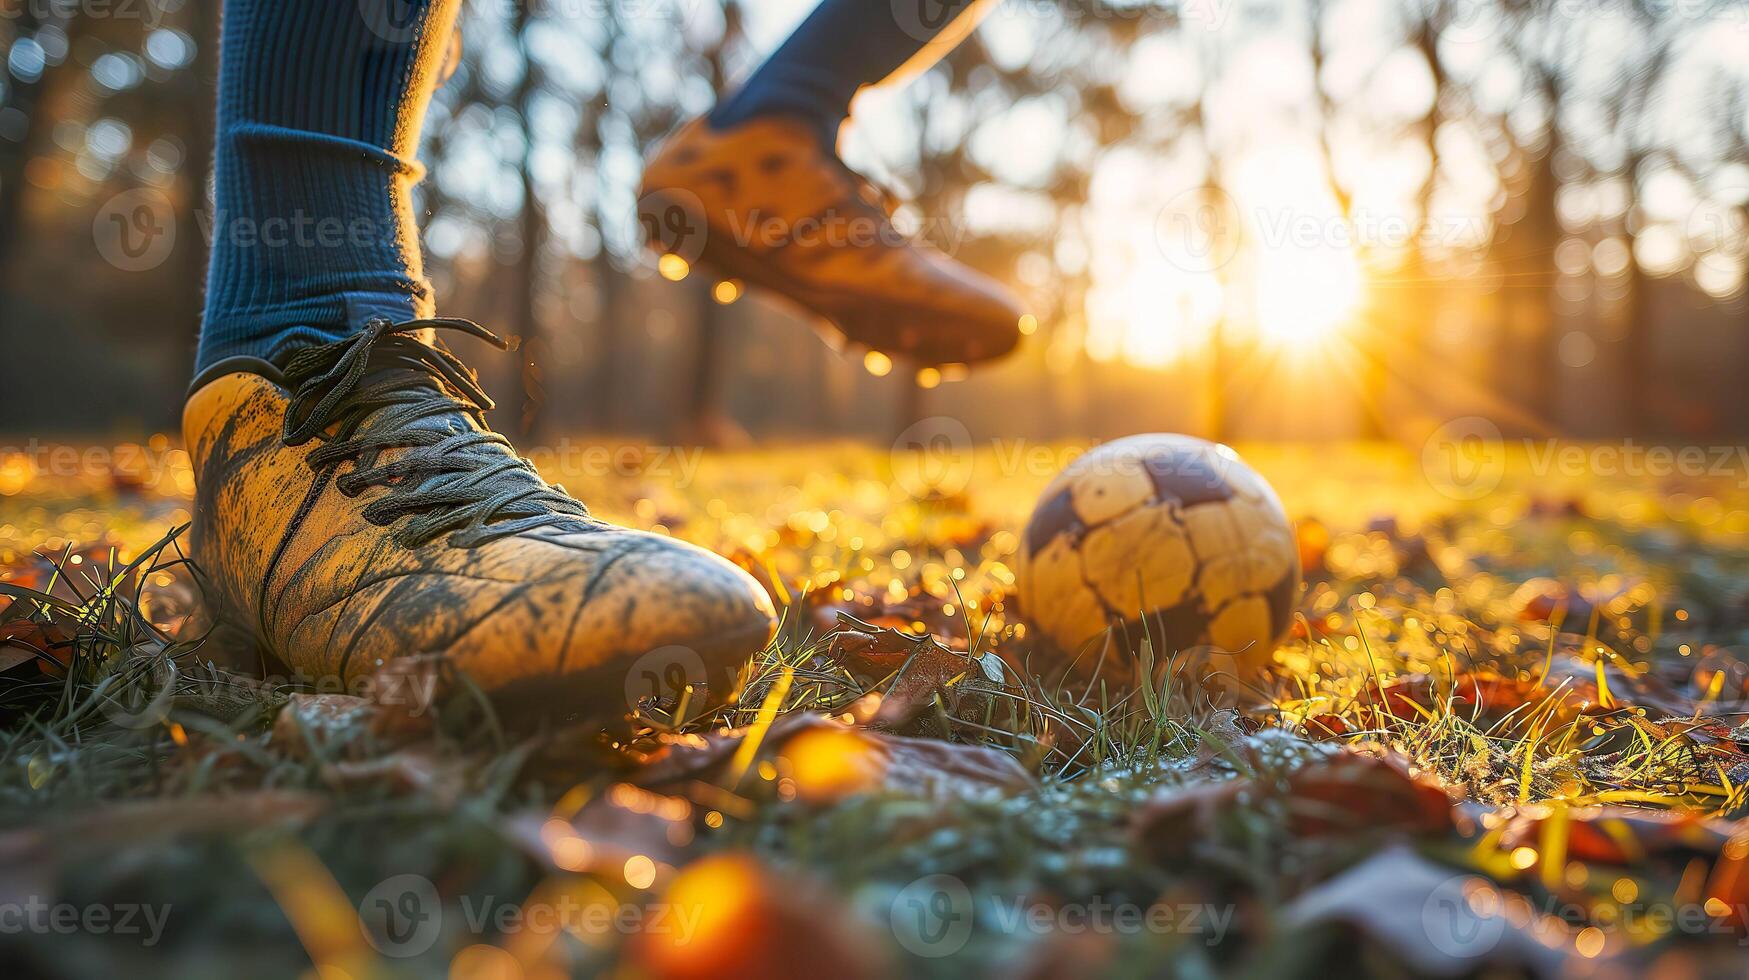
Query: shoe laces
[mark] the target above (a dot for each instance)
(385, 388)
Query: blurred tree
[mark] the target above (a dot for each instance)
(1038, 150)
(37, 40)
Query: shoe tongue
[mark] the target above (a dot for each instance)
(453, 422)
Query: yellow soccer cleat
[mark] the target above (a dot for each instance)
(355, 508)
(764, 202)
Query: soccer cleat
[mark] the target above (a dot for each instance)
(355, 508)
(766, 203)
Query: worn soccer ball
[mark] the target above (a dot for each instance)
(1165, 536)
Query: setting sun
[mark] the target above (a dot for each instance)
(1305, 297)
(1271, 261)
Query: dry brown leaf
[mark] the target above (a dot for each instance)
(749, 921)
(1440, 922)
(1348, 792)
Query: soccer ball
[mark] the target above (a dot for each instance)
(1165, 536)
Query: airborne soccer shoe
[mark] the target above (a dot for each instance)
(355, 508)
(766, 203)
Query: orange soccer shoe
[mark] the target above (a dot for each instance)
(355, 508)
(765, 202)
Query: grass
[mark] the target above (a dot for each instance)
(1560, 656)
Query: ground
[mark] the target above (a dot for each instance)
(1503, 735)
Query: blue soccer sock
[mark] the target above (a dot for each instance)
(840, 47)
(320, 106)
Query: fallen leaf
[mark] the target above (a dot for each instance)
(23, 641)
(608, 830)
(418, 769)
(324, 721)
(1620, 835)
(1348, 792)
(748, 921)
(918, 671)
(925, 767)
(1440, 922)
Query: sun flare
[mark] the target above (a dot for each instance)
(1306, 297)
